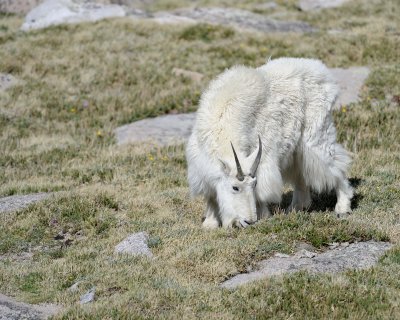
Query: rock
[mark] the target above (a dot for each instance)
(134, 3)
(18, 6)
(135, 244)
(75, 286)
(194, 76)
(11, 309)
(55, 12)
(163, 130)
(171, 18)
(20, 256)
(304, 245)
(88, 296)
(303, 253)
(21, 201)
(350, 81)
(357, 256)
(333, 245)
(7, 81)
(265, 6)
(281, 255)
(310, 5)
(238, 18)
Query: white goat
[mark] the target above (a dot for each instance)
(278, 117)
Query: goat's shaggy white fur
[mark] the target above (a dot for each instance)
(287, 102)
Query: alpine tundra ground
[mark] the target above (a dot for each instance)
(79, 82)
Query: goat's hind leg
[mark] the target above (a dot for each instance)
(263, 211)
(211, 215)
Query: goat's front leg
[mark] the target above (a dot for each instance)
(211, 215)
(344, 193)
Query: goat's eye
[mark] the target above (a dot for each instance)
(235, 188)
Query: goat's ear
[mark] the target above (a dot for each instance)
(224, 166)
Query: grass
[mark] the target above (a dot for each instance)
(79, 82)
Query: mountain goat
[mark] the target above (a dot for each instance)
(259, 128)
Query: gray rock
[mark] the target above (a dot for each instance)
(281, 255)
(310, 5)
(265, 6)
(134, 3)
(236, 18)
(163, 130)
(55, 12)
(303, 253)
(24, 6)
(88, 296)
(304, 245)
(18, 6)
(194, 76)
(7, 81)
(75, 286)
(350, 81)
(171, 18)
(16, 202)
(20, 256)
(357, 256)
(135, 244)
(11, 309)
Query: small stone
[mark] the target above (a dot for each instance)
(194, 76)
(311, 5)
(305, 254)
(53, 222)
(335, 32)
(88, 296)
(344, 244)
(18, 7)
(265, 6)
(333, 245)
(135, 244)
(304, 245)
(7, 81)
(75, 286)
(59, 236)
(170, 18)
(281, 255)
(67, 242)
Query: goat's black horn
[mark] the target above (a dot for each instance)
(240, 174)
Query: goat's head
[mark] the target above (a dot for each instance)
(236, 190)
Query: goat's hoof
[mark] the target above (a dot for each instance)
(342, 211)
(242, 223)
(210, 223)
(342, 215)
